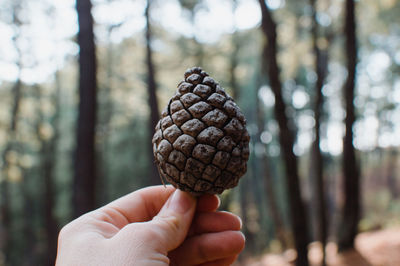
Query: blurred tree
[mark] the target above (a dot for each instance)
(84, 192)
(105, 113)
(391, 174)
(48, 161)
(29, 240)
(348, 227)
(192, 6)
(286, 138)
(317, 168)
(153, 176)
(6, 203)
(269, 186)
(234, 58)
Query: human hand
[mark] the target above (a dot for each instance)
(153, 226)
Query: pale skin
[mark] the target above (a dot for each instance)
(153, 226)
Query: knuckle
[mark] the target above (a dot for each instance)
(168, 223)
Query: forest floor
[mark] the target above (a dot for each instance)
(376, 248)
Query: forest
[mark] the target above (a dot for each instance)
(83, 83)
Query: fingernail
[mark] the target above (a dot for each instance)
(219, 201)
(181, 202)
(240, 221)
(244, 236)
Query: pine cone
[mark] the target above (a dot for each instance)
(201, 144)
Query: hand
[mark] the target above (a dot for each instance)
(153, 226)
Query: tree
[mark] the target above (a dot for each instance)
(193, 6)
(84, 198)
(152, 88)
(391, 172)
(286, 138)
(6, 202)
(317, 168)
(48, 160)
(268, 181)
(234, 58)
(351, 209)
(104, 119)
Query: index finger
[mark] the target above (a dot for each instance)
(139, 206)
(142, 205)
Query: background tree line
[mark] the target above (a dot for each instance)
(317, 80)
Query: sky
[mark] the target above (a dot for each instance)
(48, 39)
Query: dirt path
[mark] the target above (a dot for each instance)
(378, 248)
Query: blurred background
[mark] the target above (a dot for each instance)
(82, 85)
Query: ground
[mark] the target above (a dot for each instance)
(377, 248)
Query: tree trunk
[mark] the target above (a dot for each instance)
(351, 209)
(105, 120)
(84, 196)
(391, 175)
(317, 168)
(232, 67)
(5, 212)
(5, 219)
(152, 87)
(244, 201)
(49, 157)
(268, 182)
(28, 250)
(286, 138)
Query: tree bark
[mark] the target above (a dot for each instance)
(268, 182)
(351, 209)
(28, 250)
(49, 157)
(152, 88)
(84, 188)
(391, 175)
(5, 217)
(317, 167)
(105, 115)
(5, 212)
(233, 65)
(286, 138)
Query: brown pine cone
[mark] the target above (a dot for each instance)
(201, 144)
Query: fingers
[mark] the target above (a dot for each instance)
(142, 205)
(139, 206)
(207, 222)
(208, 203)
(208, 247)
(168, 229)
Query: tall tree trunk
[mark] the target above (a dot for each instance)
(84, 192)
(152, 87)
(5, 212)
(28, 250)
(391, 175)
(351, 208)
(245, 202)
(234, 61)
(49, 157)
(317, 168)
(269, 187)
(286, 138)
(5, 219)
(105, 120)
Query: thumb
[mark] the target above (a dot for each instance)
(173, 221)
